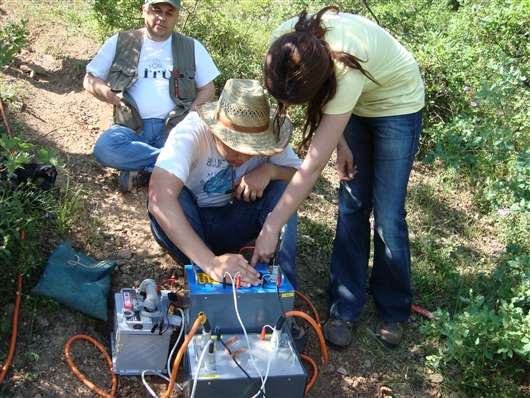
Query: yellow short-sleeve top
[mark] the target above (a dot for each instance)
(401, 89)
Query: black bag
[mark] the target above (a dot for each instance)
(43, 176)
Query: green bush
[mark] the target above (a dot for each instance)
(28, 214)
(476, 74)
(13, 37)
(488, 341)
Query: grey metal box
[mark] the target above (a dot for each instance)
(134, 351)
(287, 377)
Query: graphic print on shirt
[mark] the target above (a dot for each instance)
(156, 70)
(221, 182)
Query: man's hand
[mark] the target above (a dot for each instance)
(113, 98)
(99, 89)
(232, 263)
(253, 184)
(346, 168)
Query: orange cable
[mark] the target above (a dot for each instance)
(313, 378)
(312, 322)
(4, 117)
(13, 342)
(80, 375)
(201, 318)
(310, 305)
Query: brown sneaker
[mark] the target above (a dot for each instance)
(338, 333)
(389, 333)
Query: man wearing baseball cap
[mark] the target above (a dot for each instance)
(153, 77)
(220, 173)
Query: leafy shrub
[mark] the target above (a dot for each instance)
(13, 37)
(488, 341)
(476, 75)
(27, 213)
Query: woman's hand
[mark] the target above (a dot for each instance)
(346, 168)
(265, 246)
(253, 183)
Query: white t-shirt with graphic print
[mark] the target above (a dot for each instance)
(151, 90)
(190, 155)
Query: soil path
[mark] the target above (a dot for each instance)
(56, 112)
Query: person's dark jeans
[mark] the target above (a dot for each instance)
(228, 228)
(383, 149)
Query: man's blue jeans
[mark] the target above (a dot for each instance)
(121, 148)
(383, 149)
(228, 228)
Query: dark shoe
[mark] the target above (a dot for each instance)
(127, 180)
(338, 333)
(299, 337)
(389, 333)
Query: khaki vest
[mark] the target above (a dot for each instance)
(124, 72)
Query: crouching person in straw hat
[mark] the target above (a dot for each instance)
(220, 173)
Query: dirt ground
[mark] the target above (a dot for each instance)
(56, 112)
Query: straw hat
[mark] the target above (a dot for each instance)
(242, 119)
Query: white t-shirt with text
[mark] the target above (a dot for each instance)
(151, 90)
(190, 155)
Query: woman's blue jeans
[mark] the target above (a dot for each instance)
(383, 149)
(121, 148)
(227, 229)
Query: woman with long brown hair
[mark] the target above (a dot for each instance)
(364, 97)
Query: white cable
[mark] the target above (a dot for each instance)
(252, 359)
(276, 343)
(147, 386)
(199, 364)
(181, 333)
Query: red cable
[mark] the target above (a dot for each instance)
(244, 248)
(81, 376)
(310, 304)
(422, 311)
(4, 117)
(14, 331)
(201, 318)
(313, 378)
(323, 347)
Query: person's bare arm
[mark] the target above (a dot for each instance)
(254, 183)
(204, 94)
(99, 89)
(323, 143)
(164, 189)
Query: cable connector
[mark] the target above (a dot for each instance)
(218, 333)
(210, 356)
(206, 328)
(174, 320)
(280, 322)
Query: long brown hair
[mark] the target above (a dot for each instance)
(299, 69)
